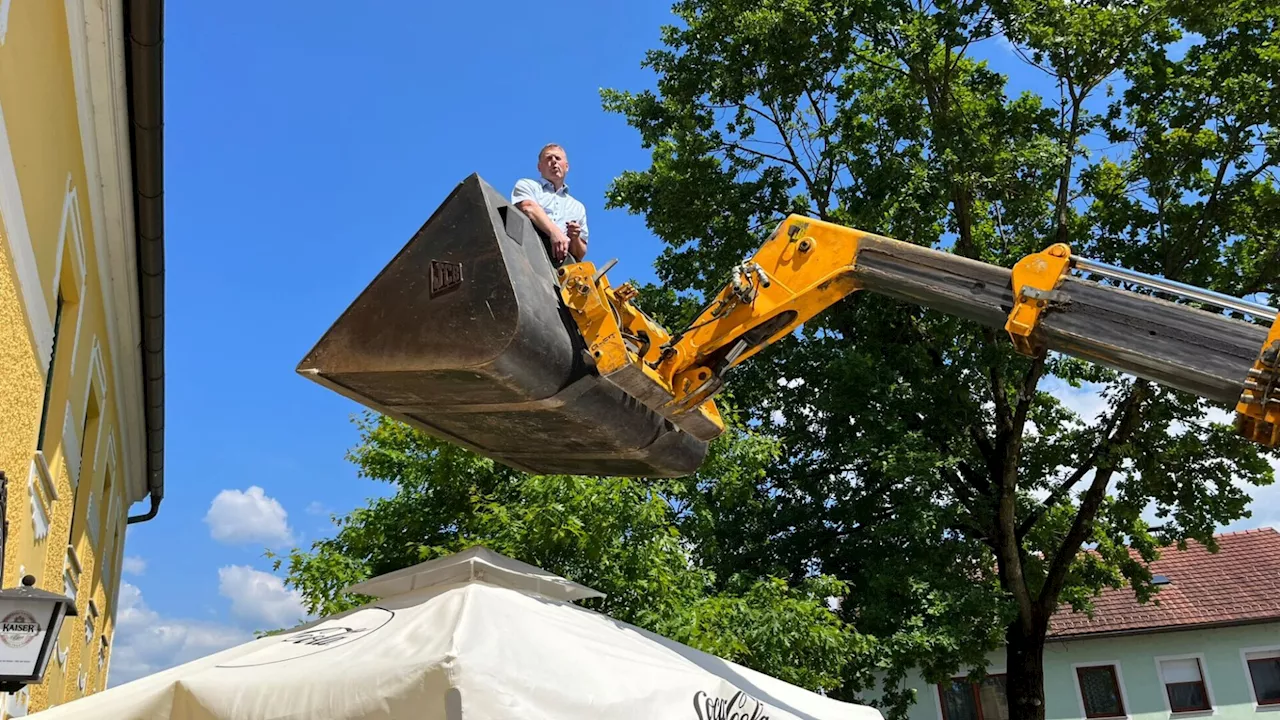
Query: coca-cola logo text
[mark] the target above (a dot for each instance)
(740, 706)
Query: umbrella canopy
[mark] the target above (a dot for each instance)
(475, 635)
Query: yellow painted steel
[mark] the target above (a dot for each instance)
(626, 345)
(1035, 277)
(588, 299)
(804, 267)
(1258, 412)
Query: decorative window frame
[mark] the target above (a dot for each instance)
(71, 447)
(42, 493)
(107, 566)
(70, 275)
(97, 376)
(103, 647)
(72, 287)
(72, 224)
(90, 623)
(71, 571)
(110, 454)
(96, 390)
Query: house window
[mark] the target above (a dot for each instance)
(1100, 691)
(102, 518)
(48, 380)
(90, 621)
(88, 447)
(1264, 673)
(1184, 685)
(965, 700)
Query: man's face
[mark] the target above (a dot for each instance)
(553, 164)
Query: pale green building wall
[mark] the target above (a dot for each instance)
(1221, 653)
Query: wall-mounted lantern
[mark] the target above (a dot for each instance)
(30, 619)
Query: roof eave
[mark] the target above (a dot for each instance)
(144, 88)
(1155, 629)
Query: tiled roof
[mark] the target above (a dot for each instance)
(1238, 584)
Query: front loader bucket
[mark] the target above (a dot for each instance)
(464, 336)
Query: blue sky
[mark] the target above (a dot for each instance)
(305, 144)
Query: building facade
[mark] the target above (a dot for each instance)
(81, 311)
(1207, 646)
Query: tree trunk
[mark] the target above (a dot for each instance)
(1024, 683)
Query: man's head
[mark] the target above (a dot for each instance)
(553, 164)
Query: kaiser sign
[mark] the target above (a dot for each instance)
(29, 623)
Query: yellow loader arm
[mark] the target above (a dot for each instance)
(808, 265)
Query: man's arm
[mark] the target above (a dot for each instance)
(578, 238)
(522, 197)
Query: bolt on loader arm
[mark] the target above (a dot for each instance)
(808, 265)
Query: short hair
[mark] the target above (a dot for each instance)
(547, 147)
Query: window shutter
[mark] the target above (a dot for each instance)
(1180, 671)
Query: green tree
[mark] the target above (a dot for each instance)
(919, 436)
(618, 535)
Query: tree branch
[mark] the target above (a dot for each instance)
(1064, 487)
(962, 491)
(883, 66)
(795, 161)
(759, 153)
(1009, 557)
(1004, 417)
(1057, 574)
(1007, 544)
(969, 41)
(1064, 182)
(976, 432)
(1022, 54)
(1027, 394)
(1013, 440)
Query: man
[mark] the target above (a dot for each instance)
(552, 209)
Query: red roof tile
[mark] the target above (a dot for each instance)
(1238, 584)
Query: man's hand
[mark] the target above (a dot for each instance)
(577, 245)
(560, 242)
(559, 245)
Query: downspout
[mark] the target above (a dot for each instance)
(144, 82)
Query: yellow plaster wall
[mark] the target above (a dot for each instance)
(38, 99)
(22, 389)
(37, 92)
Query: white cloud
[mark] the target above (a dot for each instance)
(1086, 400)
(146, 643)
(260, 597)
(134, 565)
(1264, 503)
(317, 508)
(237, 516)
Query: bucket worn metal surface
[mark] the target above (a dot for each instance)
(464, 336)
